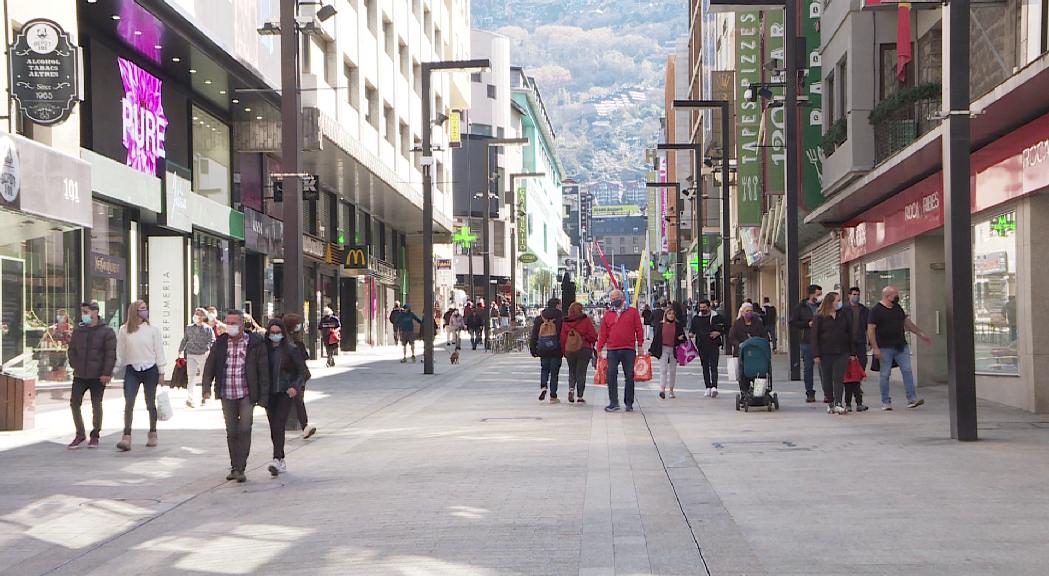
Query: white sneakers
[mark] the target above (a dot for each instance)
(706, 393)
(714, 392)
(308, 431)
(278, 466)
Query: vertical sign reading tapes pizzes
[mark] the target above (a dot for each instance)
(43, 68)
(748, 119)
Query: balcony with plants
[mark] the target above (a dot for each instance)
(904, 117)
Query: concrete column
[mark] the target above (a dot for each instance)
(929, 310)
(1031, 390)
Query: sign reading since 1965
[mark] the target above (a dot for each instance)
(44, 72)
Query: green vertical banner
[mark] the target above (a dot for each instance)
(774, 127)
(522, 220)
(748, 119)
(812, 117)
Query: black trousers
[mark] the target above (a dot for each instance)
(832, 373)
(578, 363)
(277, 413)
(708, 358)
(300, 408)
(97, 388)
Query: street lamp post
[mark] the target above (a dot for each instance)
(427, 164)
(676, 187)
(291, 157)
(726, 145)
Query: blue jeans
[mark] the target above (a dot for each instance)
(903, 359)
(626, 358)
(133, 380)
(807, 368)
(550, 367)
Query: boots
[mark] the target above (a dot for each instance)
(125, 443)
(151, 440)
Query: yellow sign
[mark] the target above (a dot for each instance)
(455, 138)
(615, 211)
(356, 258)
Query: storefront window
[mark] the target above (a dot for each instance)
(891, 270)
(211, 157)
(994, 295)
(211, 266)
(107, 262)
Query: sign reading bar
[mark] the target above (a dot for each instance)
(44, 72)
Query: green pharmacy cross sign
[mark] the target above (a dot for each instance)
(668, 275)
(464, 237)
(1003, 224)
(694, 262)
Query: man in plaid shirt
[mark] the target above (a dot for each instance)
(238, 368)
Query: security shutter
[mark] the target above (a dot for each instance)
(825, 264)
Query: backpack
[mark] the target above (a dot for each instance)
(574, 342)
(548, 340)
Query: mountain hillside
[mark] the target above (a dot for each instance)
(600, 66)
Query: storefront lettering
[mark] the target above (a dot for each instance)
(1036, 154)
(144, 122)
(931, 203)
(912, 211)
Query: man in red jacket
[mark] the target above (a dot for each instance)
(622, 331)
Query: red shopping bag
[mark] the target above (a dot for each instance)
(643, 368)
(854, 371)
(601, 374)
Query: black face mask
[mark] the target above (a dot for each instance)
(896, 300)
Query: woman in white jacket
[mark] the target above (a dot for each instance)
(140, 351)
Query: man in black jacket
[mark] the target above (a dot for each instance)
(548, 351)
(859, 314)
(238, 366)
(92, 354)
(708, 328)
(801, 320)
(770, 316)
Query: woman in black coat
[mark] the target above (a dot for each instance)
(832, 346)
(667, 334)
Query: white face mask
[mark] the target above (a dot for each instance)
(233, 330)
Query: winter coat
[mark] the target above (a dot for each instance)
(405, 320)
(701, 327)
(832, 335)
(283, 374)
(256, 368)
(741, 331)
(583, 326)
(622, 331)
(92, 351)
(197, 339)
(656, 348)
(800, 318)
(533, 341)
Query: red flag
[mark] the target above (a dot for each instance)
(611, 275)
(903, 40)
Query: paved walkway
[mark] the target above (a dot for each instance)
(466, 473)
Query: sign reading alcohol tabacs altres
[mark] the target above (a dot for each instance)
(44, 72)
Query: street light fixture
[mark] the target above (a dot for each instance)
(697, 153)
(676, 187)
(427, 165)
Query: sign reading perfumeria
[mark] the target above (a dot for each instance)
(144, 122)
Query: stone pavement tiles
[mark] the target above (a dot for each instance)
(466, 473)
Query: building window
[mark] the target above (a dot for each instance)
(406, 141)
(402, 50)
(828, 102)
(391, 124)
(428, 23)
(211, 267)
(546, 239)
(109, 245)
(439, 175)
(387, 33)
(994, 295)
(438, 42)
(475, 77)
(330, 63)
(843, 83)
(371, 10)
(491, 91)
(499, 240)
(889, 82)
(211, 157)
(353, 84)
(417, 78)
(372, 96)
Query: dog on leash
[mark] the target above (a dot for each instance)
(455, 357)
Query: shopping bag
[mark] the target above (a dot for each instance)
(164, 408)
(733, 368)
(643, 368)
(686, 352)
(601, 373)
(854, 371)
(180, 376)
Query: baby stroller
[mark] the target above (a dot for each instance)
(755, 363)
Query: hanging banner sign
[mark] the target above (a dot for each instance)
(44, 72)
(812, 116)
(455, 134)
(775, 118)
(748, 119)
(522, 219)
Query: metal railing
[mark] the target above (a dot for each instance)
(904, 125)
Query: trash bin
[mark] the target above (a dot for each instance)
(17, 402)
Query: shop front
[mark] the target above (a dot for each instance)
(372, 285)
(263, 243)
(900, 242)
(320, 284)
(45, 203)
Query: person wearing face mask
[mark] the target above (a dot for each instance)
(832, 345)
(747, 325)
(801, 321)
(214, 322)
(287, 376)
(666, 336)
(92, 354)
(195, 345)
(887, 329)
(860, 315)
(237, 371)
(294, 326)
(706, 329)
(140, 350)
(622, 331)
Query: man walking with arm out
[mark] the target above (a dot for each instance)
(92, 354)
(623, 333)
(238, 365)
(886, 330)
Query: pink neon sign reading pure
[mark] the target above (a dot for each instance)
(144, 122)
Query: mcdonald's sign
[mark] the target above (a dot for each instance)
(356, 257)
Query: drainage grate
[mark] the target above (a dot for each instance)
(511, 418)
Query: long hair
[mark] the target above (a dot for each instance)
(133, 319)
(575, 309)
(827, 306)
(291, 323)
(743, 308)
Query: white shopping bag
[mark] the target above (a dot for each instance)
(733, 368)
(164, 408)
(760, 385)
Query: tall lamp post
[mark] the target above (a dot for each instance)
(697, 158)
(427, 163)
(726, 146)
(676, 187)
(514, 177)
